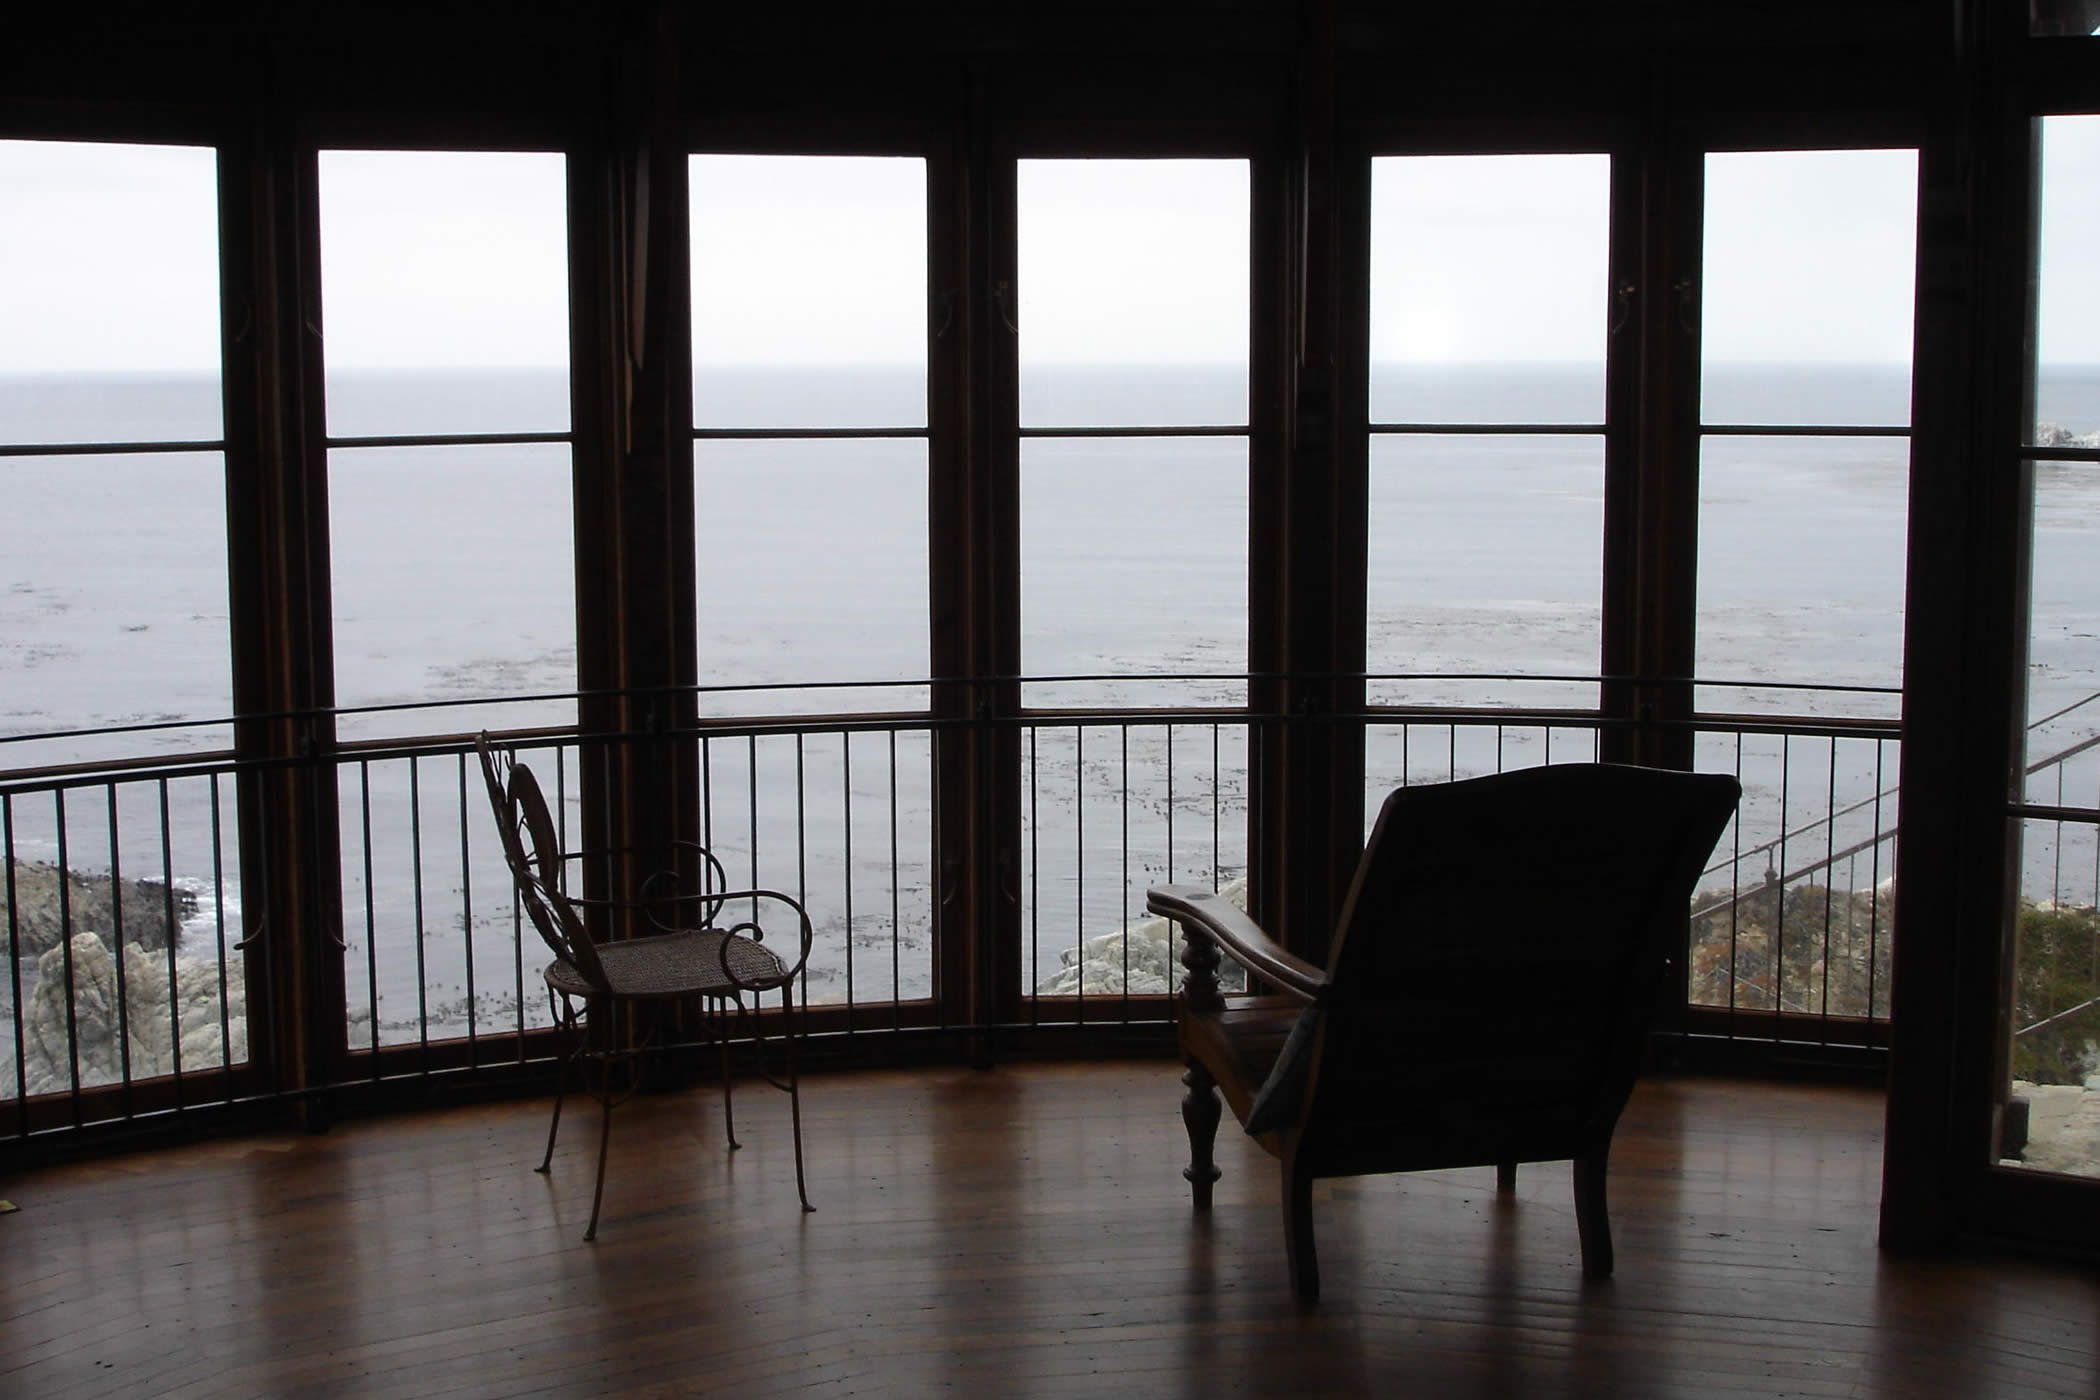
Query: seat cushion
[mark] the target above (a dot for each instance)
(675, 965)
(1282, 1095)
(1240, 1044)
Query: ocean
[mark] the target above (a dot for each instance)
(452, 581)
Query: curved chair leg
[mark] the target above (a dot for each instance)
(718, 1018)
(792, 1033)
(561, 1087)
(1298, 1234)
(606, 1100)
(1505, 1177)
(605, 1112)
(1591, 1223)
(1199, 1114)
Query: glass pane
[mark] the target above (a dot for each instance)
(1107, 812)
(1108, 588)
(1489, 281)
(843, 822)
(453, 579)
(1133, 292)
(809, 291)
(109, 293)
(1793, 912)
(1802, 543)
(1809, 262)
(436, 947)
(151, 907)
(132, 632)
(2050, 1122)
(453, 264)
(812, 570)
(2067, 334)
(1485, 564)
(2063, 664)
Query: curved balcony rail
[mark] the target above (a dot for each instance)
(149, 964)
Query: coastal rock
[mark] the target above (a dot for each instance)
(2057, 435)
(162, 1020)
(90, 902)
(1146, 951)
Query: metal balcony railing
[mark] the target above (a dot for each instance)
(138, 984)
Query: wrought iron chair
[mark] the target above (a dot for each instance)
(693, 958)
(1486, 996)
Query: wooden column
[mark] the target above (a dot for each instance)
(1964, 646)
(1652, 524)
(974, 508)
(277, 533)
(1310, 555)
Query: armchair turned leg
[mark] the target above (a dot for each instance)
(1505, 1177)
(1298, 1234)
(1591, 1223)
(1199, 1114)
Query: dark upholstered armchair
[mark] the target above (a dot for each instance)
(1485, 998)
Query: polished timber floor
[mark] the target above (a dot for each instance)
(1017, 1232)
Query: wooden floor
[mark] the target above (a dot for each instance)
(1019, 1232)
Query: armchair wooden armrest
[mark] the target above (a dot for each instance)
(1207, 913)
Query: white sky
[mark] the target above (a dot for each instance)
(441, 260)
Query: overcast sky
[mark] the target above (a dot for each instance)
(107, 258)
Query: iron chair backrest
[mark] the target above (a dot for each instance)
(1498, 961)
(533, 851)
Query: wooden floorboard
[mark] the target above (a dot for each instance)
(1015, 1232)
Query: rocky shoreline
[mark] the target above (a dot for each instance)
(35, 916)
(149, 1012)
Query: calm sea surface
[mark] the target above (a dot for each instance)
(452, 581)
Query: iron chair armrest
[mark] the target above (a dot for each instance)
(751, 928)
(748, 929)
(713, 876)
(1207, 914)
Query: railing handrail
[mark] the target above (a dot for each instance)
(2056, 759)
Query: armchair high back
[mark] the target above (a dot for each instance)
(1486, 995)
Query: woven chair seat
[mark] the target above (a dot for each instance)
(675, 965)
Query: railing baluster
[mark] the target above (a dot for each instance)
(1035, 872)
(1079, 854)
(801, 843)
(1217, 801)
(218, 885)
(116, 951)
(751, 785)
(14, 968)
(1173, 866)
(364, 772)
(1123, 736)
(896, 903)
(415, 856)
(173, 926)
(846, 819)
(1830, 883)
(65, 939)
(466, 919)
